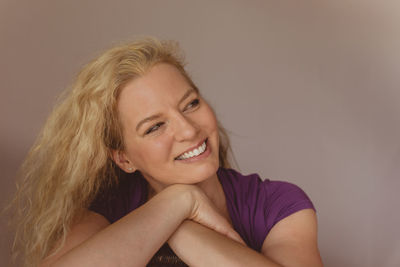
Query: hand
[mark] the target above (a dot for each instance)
(204, 212)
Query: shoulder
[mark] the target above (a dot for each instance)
(115, 201)
(237, 185)
(252, 187)
(284, 198)
(256, 205)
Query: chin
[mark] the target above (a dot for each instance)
(199, 174)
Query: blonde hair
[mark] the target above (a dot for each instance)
(70, 161)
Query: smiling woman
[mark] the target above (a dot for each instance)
(164, 146)
(133, 160)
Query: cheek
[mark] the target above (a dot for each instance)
(162, 146)
(208, 119)
(151, 152)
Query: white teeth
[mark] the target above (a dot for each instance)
(194, 152)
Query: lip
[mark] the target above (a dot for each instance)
(193, 147)
(198, 158)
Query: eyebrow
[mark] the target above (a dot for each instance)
(156, 116)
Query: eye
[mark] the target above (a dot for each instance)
(154, 128)
(192, 104)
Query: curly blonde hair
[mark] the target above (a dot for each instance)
(70, 160)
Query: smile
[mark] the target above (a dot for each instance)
(194, 153)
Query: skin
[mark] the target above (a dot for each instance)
(94, 242)
(183, 120)
(187, 196)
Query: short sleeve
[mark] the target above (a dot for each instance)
(256, 205)
(282, 199)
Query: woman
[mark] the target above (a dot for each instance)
(132, 158)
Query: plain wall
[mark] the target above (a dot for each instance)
(309, 91)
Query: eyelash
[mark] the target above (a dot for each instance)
(193, 104)
(155, 127)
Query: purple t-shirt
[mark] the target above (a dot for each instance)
(254, 205)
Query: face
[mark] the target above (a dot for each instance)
(170, 132)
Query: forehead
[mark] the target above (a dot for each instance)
(162, 86)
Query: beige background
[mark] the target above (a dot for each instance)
(308, 89)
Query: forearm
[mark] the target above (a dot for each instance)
(134, 239)
(198, 245)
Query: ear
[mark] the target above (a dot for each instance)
(120, 158)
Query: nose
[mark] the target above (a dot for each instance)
(184, 128)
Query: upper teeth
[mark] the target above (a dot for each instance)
(194, 152)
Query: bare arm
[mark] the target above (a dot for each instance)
(126, 242)
(292, 242)
(135, 238)
(198, 245)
